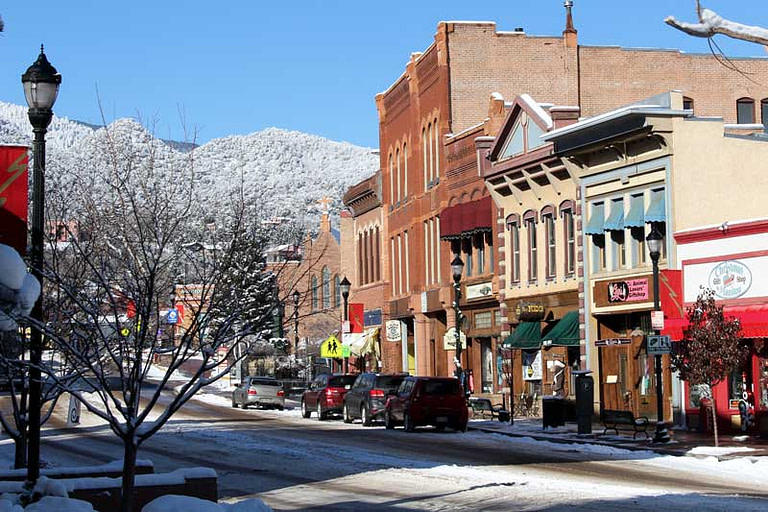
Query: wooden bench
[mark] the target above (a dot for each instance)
(483, 407)
(613, 419)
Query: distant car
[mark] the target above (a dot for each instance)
(259, 391)
(367, 399)
(419, 401)
(325, 395)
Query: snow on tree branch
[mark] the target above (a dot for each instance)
(711, 23)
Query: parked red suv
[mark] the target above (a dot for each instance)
(437, 401)
(325, 395)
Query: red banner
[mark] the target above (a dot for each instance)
(356, 318)
(14, 161)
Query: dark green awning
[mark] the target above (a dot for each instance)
(526, 335)
(566, 332)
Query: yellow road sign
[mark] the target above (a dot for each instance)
(331, 347)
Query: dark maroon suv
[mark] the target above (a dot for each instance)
(325, 395)
(419, 401)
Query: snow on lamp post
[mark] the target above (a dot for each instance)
(655, 241)
(41, 86)
(457, 268)
(344, 286)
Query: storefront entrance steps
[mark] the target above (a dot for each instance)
(684, 443)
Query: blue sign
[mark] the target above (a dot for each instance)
(173, 316)
(372, 317)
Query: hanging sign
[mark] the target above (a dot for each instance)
(14, 197)
(449, 340)
(393, 330)
(531, 365)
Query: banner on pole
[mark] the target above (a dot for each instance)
(14, 163)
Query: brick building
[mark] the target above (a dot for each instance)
(445, 90)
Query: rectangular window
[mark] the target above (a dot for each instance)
(467, 248)
(407, 266)
(393, 265)
(514, 236)
(427, 248)
(598, 253)
(432, 251)
(399, 264)
(489, 245)
(438, 274)
(637, 233)
(619, 255)
(745, 111)
(497, 317)
(570, 242)
(483, 320)
(549, 228)
(480, 244)
(533, 270)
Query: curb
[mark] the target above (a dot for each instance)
(657, 449)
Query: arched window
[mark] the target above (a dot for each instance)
(399, 177)
(764, 111)
(424, 154)
(314, 293)
(437, 149)
(392, 199)
(430, 148)
(326, 288)
(405, 170)
(337, 291)
(745, 111)
(687, 103)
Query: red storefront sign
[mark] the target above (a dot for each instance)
(14, 161)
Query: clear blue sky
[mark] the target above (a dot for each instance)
(239, 66)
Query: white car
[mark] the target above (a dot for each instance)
(260, 391)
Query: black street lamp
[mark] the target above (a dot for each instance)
(655, 241)
(296, 297)
(41, 86)
(344, 286)
(457, 268)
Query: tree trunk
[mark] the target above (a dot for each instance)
(714, 419)
(20, 455)
(129, 474)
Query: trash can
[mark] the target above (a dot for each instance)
(585, 396)
(503, 415)
(553, 411)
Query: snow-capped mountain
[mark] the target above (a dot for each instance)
(285, 172)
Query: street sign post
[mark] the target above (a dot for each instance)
(659, 345)
(173, 316)
(331, 347)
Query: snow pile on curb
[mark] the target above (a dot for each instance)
(173, 503)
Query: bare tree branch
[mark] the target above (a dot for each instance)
(710, 24)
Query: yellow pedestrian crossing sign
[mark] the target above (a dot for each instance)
(331, 347)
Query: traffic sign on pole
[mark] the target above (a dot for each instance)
(659, 345)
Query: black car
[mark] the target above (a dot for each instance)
(368, 397)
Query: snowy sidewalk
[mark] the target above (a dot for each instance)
(684, 443)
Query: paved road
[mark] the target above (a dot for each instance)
(298, 464)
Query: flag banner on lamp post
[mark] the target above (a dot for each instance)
(14, 163)
(356, 318)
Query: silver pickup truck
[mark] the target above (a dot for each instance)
(260, 391)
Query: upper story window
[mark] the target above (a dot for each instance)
(745, 111)
(405, 171)
(549, 237)
(566, 213)
(595, 228)
(314, 293)
(392, 178)
(514, 241)
(534, 135)
(430, 148)
(337, 291)
(515, 143)
(399, 176)
(687, 103)
(326, 288)
(529, 220)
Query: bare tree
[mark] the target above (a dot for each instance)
(711, 348)
(710, 24)
(129, 231)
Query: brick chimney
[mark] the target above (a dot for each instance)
(570, 33)
(325, 219)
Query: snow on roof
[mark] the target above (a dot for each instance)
(536, 108)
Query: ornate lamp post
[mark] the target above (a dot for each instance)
(655, 241)
(344, 286)
(457, 268)
(296, 297)
(41, 86)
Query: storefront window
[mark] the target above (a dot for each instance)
(487, 369)
(737, 382)
(698, 391)
(645, 364)
(763, 383)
